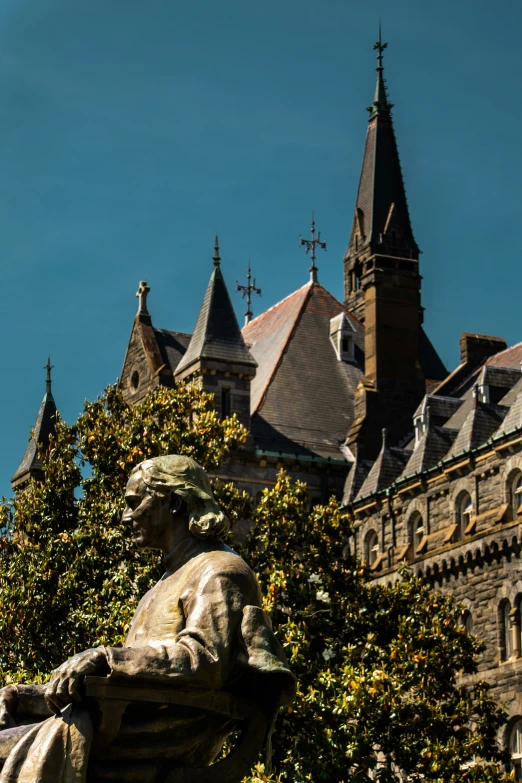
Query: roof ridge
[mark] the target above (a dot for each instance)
(291, 333)
(277, 304)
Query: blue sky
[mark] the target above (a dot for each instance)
(131, 131)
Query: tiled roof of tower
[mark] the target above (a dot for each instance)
(217, 334)
(381, 196)
(302, 395)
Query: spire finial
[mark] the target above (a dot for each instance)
(310, 245)
(216, 257)
(247, 291)
(48, 380)
(142, 293)
(384, 437)
(380, 99)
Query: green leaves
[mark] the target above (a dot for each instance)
(379, 694)
(70, 576)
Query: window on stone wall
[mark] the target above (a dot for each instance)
(516, 493)
(225, 403)
(372, 547)
(505, 637)
(464, 512)
(515, 747)
(467, 622)
(417, 530)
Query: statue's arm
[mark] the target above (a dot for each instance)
(202, 654)
(22, 703)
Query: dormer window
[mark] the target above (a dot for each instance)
(420, 424)
(342, 337)
(483, 393)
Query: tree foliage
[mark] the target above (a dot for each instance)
(378, 667)
(70, 574)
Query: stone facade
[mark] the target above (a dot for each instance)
(457, 522)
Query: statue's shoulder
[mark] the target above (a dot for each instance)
(221, 557)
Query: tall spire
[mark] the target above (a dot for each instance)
(381, 223)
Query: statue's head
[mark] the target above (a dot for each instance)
(169, 490)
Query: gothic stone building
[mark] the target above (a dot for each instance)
(353, 399)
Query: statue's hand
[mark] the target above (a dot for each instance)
(65, 680)
(8, 705)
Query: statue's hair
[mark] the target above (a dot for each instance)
(184, 477)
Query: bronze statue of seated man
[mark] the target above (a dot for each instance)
(198, 650)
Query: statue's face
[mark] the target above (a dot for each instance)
(149, 514)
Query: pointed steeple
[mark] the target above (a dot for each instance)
(217, 337)
(381, 222)
(31, 465)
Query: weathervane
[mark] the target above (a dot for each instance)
(310, 245)
(246, 291)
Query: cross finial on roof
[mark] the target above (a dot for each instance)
(247, 291)
(216, 257)
(380, 104)
(48, 380)
(142, 294)
(380, 48)
(310, 245)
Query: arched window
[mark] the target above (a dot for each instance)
(515, 748)
(516, 493)
(417, 531)
(464, 512)
(372, 547)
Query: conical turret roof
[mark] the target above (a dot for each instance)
(44, 427)
(217, 335)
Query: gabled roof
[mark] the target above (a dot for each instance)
(217, 334)
(433, 445)
(44, 427)
(481, 422)
(387, 467)
(302, 396)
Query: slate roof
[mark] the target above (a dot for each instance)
(302, 395)
(381, 184)
(432, 446)
(44, 427)
(355, 479)
(217, 334)
(440, 409)
(387, 467)
(172, 345)
(481, 422)
(456, 422)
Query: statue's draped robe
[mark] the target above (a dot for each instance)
(201, 626)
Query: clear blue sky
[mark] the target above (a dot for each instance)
(130, 131)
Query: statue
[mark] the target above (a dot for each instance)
(200, 654)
